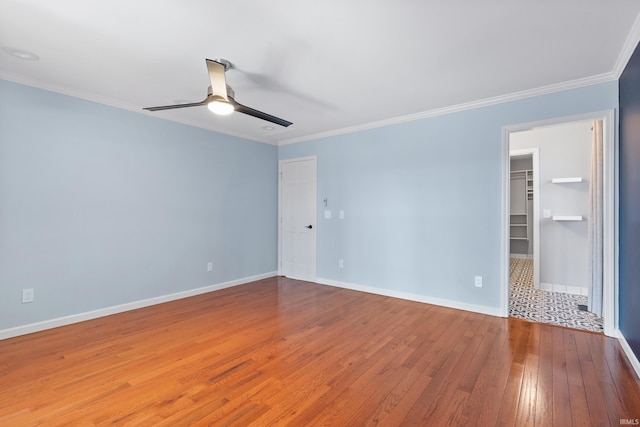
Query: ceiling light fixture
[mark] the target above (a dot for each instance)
(20, 53)
(220, 107)
(268, 127)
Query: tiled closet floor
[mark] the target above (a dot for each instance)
(556, 308)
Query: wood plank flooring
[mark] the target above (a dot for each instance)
(284, 352)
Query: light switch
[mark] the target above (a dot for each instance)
(341, 214)
(546, 213)
(327, 214)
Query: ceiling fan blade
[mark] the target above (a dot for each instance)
(217, 79)
(259, 114)
(173, 107)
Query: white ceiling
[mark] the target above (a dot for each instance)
(325, 65)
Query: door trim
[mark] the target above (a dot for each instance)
(610, 211)
(315, 198)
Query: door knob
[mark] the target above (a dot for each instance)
(308, 226)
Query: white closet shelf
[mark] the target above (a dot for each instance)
(566, 180)
(567, 217)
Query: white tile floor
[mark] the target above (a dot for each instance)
(556, 308)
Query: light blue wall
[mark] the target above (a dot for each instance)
(422, 199)
(101, 206)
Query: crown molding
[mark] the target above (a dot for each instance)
(116, 104)
(544, 90)
(627, 49)
(558, 87)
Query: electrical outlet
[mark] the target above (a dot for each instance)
(27, 295)
(478, 281)
(209, 266)
(341, 263)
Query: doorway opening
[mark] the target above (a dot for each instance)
(524, 223)
(547, 270)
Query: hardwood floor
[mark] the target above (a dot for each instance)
(285, 352)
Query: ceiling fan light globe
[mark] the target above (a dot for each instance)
(221, 108)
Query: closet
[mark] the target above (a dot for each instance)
(521, 207)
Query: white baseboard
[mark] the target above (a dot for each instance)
(81, 317)
(107, 311)
(521, 256)
(492, 311)
(627, 350)
(565, 289)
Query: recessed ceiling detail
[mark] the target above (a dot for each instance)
(20, 53)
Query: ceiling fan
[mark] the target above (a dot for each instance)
(220, 97)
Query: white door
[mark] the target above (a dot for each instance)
(298, 218)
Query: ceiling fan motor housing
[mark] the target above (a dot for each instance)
(230, 92)
(227, 65)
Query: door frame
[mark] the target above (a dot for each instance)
(535, 161)
(315, 198)
(610, 210)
